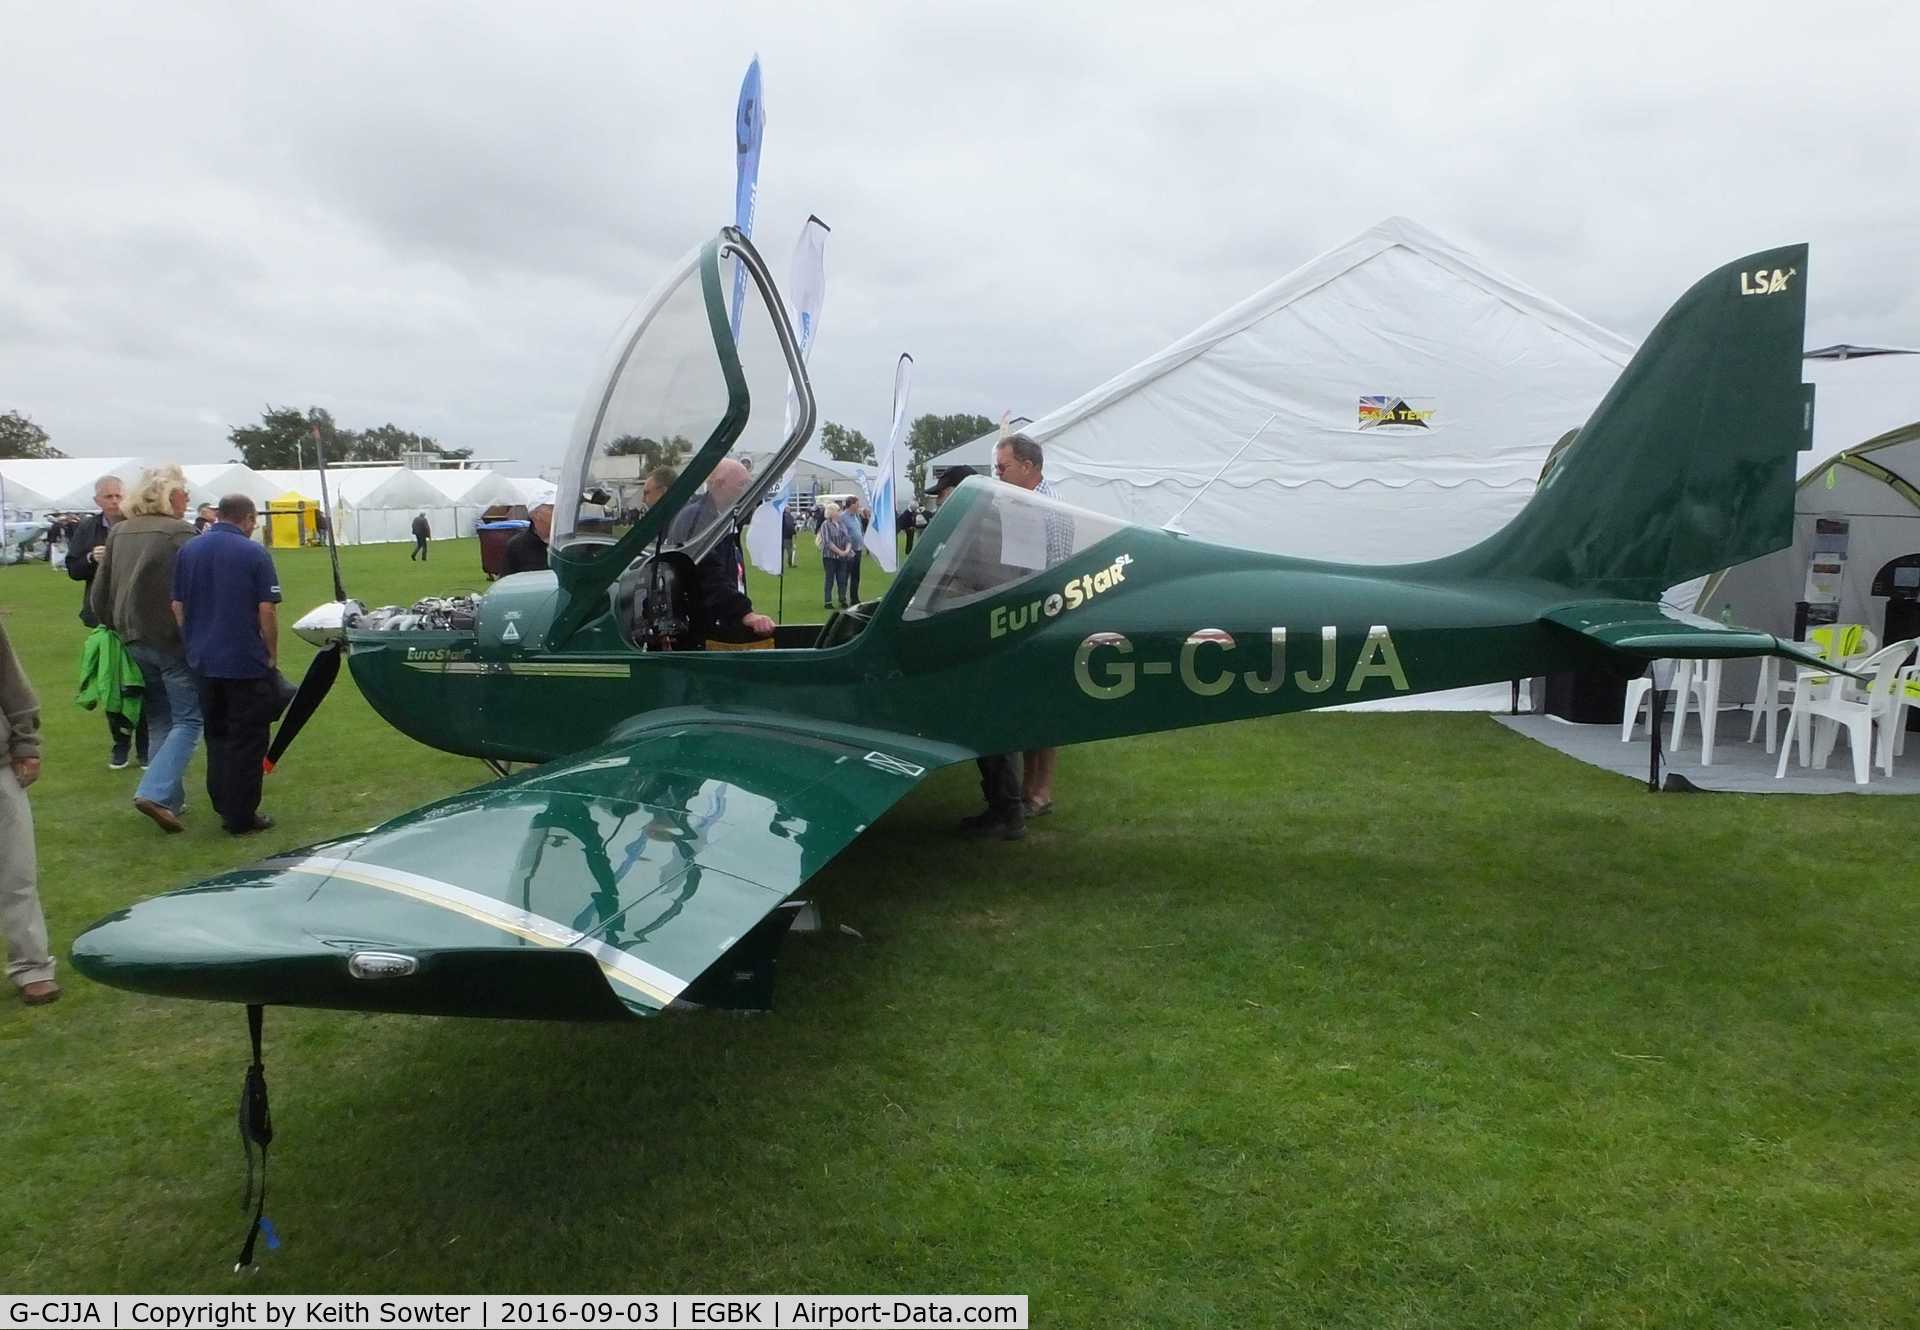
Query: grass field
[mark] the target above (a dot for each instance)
(1379, 1020)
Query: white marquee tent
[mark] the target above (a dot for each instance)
(371, 504)
(466, 496)
(213, 481)
(1400, 396)
(16, 494)
(62, 484)
(66, 483)
(532, 490)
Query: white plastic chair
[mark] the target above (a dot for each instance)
(1906, 697)
(1775, 694)
(1770, 698)
(1697, 689)
(1827, 698)
(1638, 691)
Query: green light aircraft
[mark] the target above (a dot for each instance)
(684, 796)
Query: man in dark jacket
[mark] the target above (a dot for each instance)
(727, 618)
(421, 533)
(527, 552)
(85, 546)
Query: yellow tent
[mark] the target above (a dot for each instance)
(291, 520)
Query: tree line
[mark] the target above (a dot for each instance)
(927, 438)
(20, 437)
(283, 439)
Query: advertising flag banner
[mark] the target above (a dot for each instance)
(881, 540)
(806, 296)
(749, 122)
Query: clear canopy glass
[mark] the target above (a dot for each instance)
(762, 355)
(662, 382)
(1005, 536)
(693, 377)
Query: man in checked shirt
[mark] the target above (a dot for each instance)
(1019, 461)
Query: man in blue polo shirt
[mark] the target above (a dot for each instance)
(226, 595)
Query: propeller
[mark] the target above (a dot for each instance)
(320, 675)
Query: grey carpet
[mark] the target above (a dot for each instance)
(1737, 765)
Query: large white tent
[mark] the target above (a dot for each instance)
(532, 490)
(213, 481)
(66, 483)
(1400, 397)
(371, 504)
(17, 495)
(465, 497)
(814, 472)
(63, 484)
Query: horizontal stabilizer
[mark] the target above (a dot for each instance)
(1648, 630)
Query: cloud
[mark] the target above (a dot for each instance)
(436, 215)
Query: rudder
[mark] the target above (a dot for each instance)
(1686, 466)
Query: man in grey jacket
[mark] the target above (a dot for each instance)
(29, 960)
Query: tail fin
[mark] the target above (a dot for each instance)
(1686, 466)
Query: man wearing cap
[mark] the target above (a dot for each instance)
(946, 483)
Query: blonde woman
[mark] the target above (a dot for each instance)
(133, 595)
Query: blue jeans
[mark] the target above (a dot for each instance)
(172, 708)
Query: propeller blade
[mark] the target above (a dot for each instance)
(306, 699)
(326, 509)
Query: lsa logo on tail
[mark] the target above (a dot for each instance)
(1765, 281)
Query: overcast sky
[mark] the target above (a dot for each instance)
(437, 215)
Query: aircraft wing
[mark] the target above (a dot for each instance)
(647, 871)
(1650, 631)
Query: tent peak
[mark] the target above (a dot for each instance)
(1319, 272)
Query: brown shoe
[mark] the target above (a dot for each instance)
(40, 992)
(160, 813)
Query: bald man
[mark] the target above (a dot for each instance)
(727, 619)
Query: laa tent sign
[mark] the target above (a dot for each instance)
(1397, 414)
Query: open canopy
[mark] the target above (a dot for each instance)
(686, 366)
